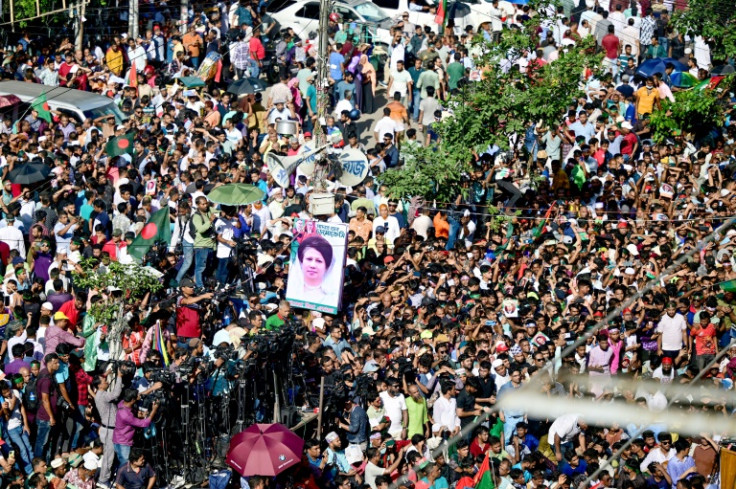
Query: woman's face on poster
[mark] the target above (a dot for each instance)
(313, 267)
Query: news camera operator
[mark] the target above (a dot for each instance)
(106, 401)
(126, 421)
(188, 320)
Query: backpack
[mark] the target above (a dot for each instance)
(190, 224)
(30, 396)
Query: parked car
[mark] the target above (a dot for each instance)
(77, 104)
(303, 17)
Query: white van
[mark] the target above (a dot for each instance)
(77, 104)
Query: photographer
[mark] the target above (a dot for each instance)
(187, 313)
(204, 237)
(126, 422)
(143, 384)
(106, 403)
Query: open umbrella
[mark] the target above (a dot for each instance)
(9, 101)
(246, 86)
(235, 194)
(32, 172)
(658, 65)
(723, 70)
(683, 79)
(264, 449)
(192, 81)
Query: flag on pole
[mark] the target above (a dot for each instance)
(538, 230)
(484, 477)
(132, 77)
(728, 286)
(158, 228)
(41, 105)
(160, 345)
(120, 145)
(218, 73)
(439, 18)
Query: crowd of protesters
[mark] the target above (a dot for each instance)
(446, 308)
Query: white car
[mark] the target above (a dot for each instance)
(303, 17)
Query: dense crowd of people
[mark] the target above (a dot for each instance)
(610, 265)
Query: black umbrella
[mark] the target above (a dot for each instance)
(722, 70)
(28, 173)
(246, 86)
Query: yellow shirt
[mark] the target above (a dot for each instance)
(646, 99)
(114, 61)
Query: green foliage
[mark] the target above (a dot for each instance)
(715, 20)
(27, 8)
(427, 172)
(133, 280)
(694, 112)
(488, 111)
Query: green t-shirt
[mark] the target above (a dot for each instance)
(418, 417)
(497, 429)
(455, 71)
(274, 322)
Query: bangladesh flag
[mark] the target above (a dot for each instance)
(540, 228)
(439, 18)
(728, 286)
(41, 105)
(120, 145)
(484, 477)
(158, 228)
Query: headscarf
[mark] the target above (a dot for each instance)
(368, 71)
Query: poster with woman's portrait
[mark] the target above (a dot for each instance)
(316, 265)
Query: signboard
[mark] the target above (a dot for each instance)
(316, 266)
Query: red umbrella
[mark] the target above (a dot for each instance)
(9, 101)
(264, 449)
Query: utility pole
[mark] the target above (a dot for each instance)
(322, 62)
(184, 16)
(133, 18)
(81, 7)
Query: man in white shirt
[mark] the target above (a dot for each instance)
(672, 330)
(389, 224)
(395, 405)
(659, 454)
(563, 430)
(384, 125)
(444, 411)
(12, 236)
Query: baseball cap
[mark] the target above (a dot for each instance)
(59, 316)
(186, 282)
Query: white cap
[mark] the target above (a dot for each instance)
(90, 465)
(47, 305)
(497, 363)
(633, 249)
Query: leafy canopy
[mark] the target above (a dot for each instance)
(492, 110)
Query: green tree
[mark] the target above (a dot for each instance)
(715, 20)
(133, 281)
(490, 111)
(694, 112)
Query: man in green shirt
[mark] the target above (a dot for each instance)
(274, 323)
(416, 407)
(455, 71)
(204, 237)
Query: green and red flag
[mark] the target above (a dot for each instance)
(158, 228)
(728, 286)
(439, 17)
(484, 477)
(41, 105)
(120, 145)
(132, 77)
(538, 230)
